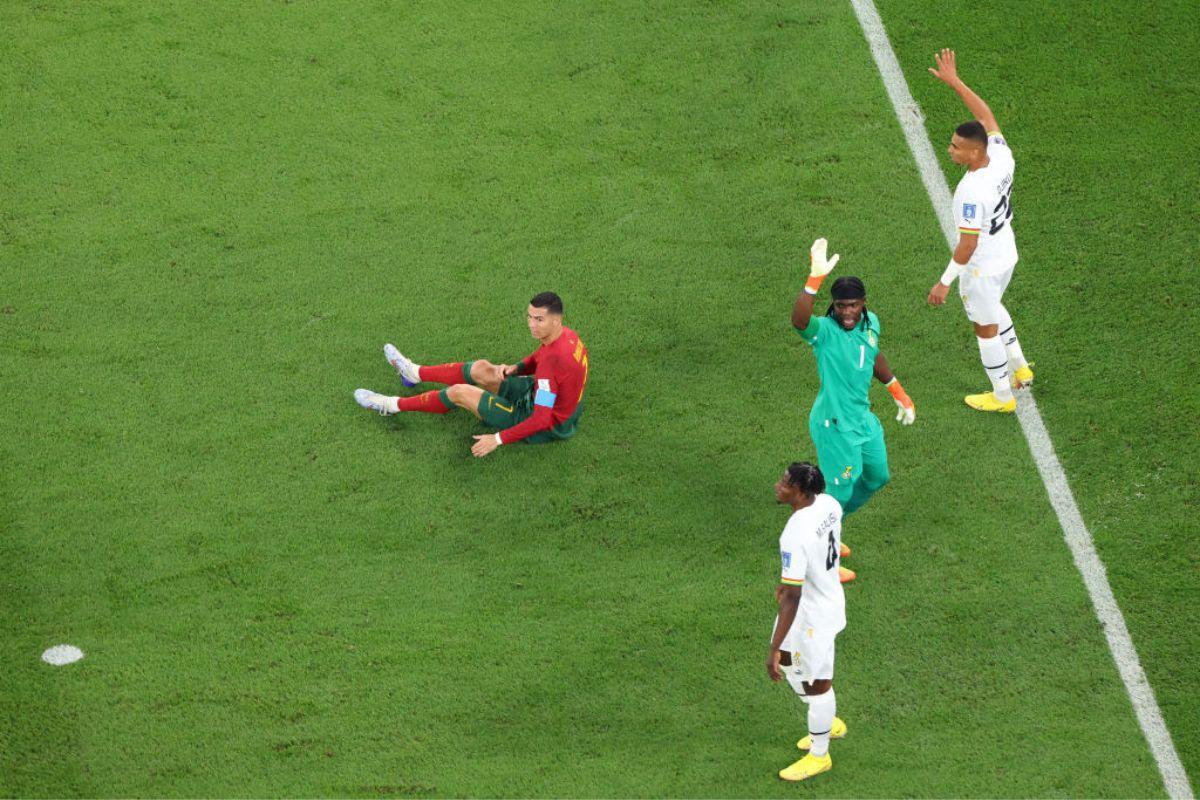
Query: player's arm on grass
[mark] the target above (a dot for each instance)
(819, 267)
(788, 596)
(947, 72)
(907, 410)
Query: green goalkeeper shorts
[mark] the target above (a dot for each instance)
(511, 405)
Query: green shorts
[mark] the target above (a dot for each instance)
(849, 456)
(511, 405)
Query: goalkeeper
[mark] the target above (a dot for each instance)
(848, 437)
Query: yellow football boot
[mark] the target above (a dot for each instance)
(988, 402)
(838, 731)
(806, 767)
(1022, 377)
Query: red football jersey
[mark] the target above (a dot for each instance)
(560, 371)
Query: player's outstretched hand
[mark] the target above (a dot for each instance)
(484, 445)
(937, 295)
(821, 266)
(947, 68)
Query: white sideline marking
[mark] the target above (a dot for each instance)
(1079, 540)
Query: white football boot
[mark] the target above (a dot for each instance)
(409, 372)
(375, 402)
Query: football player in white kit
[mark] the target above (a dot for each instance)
(812, 611)
(986, 252)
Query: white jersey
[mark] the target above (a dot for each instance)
(810, 549)
(983, 208)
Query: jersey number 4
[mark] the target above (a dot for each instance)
(831, 555)
(1002, 212)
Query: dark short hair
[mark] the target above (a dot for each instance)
(974, 131)
(547, 300)
(806, 477)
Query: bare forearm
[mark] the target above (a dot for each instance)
(883, 372)
(965, 248)
(802, 310)
(974, 103)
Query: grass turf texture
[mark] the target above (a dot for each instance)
(216, 215)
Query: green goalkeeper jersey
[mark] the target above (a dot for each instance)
(846, 365)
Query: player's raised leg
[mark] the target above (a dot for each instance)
(412, 373)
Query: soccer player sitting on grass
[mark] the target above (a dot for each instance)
(538, 399)
(848, 437)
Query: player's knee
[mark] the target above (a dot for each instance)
(986, 331)
(481, 370)
(457, 393)
(877, 479)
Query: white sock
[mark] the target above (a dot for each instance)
(821, 708)
(995, 364)
(392, 404)
(1008, 335)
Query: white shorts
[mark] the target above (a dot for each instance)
(982, 294)
(812, 656)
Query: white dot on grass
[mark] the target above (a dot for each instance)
(62, 654)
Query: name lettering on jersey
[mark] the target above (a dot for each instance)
(544, 397)
(1004, 184)
(969, 211)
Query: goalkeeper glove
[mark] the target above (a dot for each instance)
(906, 412)
(819, 265)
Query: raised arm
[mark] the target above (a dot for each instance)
(802, 309)
(947, 73)
(819, 267)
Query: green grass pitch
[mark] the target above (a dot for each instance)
(215, 214)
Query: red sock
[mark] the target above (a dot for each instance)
(429, 402)
(448, 374)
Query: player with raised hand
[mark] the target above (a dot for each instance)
(539, 399)
(812, 611)
(847, 436)
(986, 252)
